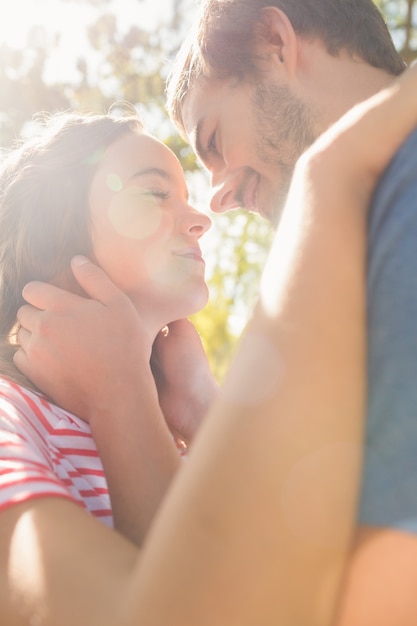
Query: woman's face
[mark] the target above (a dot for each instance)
(145, 235)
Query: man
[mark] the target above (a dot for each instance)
(253, 86)
(223, 550)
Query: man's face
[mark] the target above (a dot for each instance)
(249, 138)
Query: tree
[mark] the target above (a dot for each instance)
(244, 241)
(23, 91)
(401, 17)
(132, 65)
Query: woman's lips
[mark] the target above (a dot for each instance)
(194, 254)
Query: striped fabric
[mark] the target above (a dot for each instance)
(44, 451)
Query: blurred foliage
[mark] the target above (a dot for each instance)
(132, 65)
(401, 18)
(23, 91)
(243, 240)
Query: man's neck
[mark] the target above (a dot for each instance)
(334, 84)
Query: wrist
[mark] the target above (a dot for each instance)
(123, 396)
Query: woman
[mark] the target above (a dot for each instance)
(257, 526)
(97, 186)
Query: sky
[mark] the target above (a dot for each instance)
(17, 16)
(69, 18)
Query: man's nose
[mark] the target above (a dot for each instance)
(223, 196)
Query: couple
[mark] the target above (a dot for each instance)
(257, 527)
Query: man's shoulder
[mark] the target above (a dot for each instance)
(405, 157)
(395, 197)
(401, 170)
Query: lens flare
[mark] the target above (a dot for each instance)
(114, 182)
(135, 214)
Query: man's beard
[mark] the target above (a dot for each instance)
(284, 127)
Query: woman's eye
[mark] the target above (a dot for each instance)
(157, 193)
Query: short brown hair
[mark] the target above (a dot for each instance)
(220, 44)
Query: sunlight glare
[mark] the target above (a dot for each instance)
(70, 20)
(25, 566)
(21, 15)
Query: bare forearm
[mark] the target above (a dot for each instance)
(267, 502)
(182, 373)
(262, 519)
(139, 458)
(59, 566)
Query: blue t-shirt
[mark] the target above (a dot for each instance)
(389, 491)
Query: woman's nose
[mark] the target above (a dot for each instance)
(196, 222)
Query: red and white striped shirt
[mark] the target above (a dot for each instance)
(46, 451)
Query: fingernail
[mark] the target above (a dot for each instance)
(79, 260)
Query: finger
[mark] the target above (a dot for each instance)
(94, 281)
(23, 337)
(178, 325)
(21, 362)
(44, 296)
(182, 328)
(27, 316)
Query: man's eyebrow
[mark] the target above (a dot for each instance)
(154, 171)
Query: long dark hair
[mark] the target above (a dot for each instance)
(44, 211)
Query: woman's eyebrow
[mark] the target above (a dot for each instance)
(154, 171)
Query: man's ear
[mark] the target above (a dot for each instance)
(276, 40)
